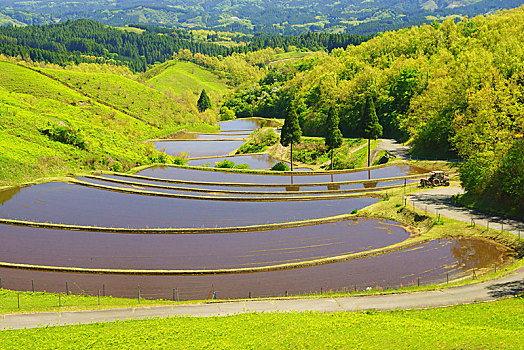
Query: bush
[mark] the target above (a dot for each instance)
(261, 140)
(228, 164)
(179, 161)
(280, 166)
(65, 134)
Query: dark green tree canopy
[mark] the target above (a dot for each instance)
(370, 127)
(203, 102)
(291, 132)
(333, 134)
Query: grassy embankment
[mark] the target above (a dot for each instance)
(48, 129)
(484, 325)
(186, 79)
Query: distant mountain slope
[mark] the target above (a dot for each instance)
(250, 16)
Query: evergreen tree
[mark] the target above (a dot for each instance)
(370, 127)
(203, 101)
(333, 134)
(291, 132)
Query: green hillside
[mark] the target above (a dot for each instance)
(127, 95)
(180, 78)
(49, 129)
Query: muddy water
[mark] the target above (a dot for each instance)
(430, 262)
(195, 251)
(213, 176)
(73, 204)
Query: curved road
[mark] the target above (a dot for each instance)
(437, 199)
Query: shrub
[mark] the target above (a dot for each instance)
(261, 140)
(65, 134)
(179, 161)
(280, 166)
(228, 164)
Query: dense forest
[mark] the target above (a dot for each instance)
(86, 41)
(290, 17)
(454, 90)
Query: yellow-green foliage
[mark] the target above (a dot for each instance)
(139, 100)
(488, 325)
(183, 78)
(31, 102)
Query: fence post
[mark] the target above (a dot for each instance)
(99, 297)
(174, 296)
(249, 294)
(502, 227)
(33, 286)
(320, 290)
(18, 294)
(474, 273)
(418, 281)
(67, 289)
(447, 277)
(139, 294)
(103, 290)
(177, 294)
(59, 299)
(285, 294)
(0, 283)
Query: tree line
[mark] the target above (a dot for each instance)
(86, 41)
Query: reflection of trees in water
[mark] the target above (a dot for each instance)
(372, 184)
(8, 194)
(474, 253)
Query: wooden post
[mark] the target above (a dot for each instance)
(174, 296)
(67, 289)
(418, 281)
(291, 157)
(249, 294)
(103, 290)
(59, 299)
(474, 273)
(18, 294)
(447, 277)
(320, 290)
(33, 286)
(139, 294)
(99, 297)
(177, 294)
(285, 294)
(0, 283)
(502, 227)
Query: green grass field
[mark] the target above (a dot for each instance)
(477, 326)
(30, 103)
(187, 78)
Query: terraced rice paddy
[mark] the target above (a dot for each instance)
(206, 237)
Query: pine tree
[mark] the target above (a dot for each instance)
(203, 102)
(333, 134)
(291, 132)
(370, 127)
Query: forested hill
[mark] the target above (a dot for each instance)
(88, 41)
(289, 17)
(451, 89)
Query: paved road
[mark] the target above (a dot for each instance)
(507, 286)
(394, 148)
(439, 200)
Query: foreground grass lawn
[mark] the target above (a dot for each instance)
(487, 325)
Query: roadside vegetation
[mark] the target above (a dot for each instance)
(484, 325)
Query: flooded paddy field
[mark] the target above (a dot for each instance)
(177, 173)
(73, 204)
(284, 190)
(198, 148)
(28, 245)
(431, 262)
(256, 161)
